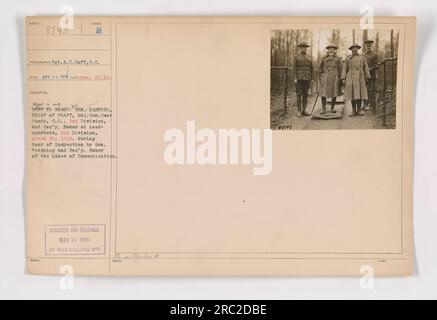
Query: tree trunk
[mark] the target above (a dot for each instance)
(392, 49)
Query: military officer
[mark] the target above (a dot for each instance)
(354, 75)
(303, 74)
(330, 72)
(372, 60)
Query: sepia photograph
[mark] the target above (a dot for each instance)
(333, 79)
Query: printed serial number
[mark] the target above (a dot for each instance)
(240, 309)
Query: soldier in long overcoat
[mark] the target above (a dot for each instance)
(354, 75)
(330, 72)
(303, 74)
(372, 60)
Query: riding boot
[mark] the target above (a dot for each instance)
(354, 108)
(323, 105)
(299, 105)
(366, 105)
(359, 111)
(304, 105)
(334, 100)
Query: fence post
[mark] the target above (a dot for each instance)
(384, 95)
(286, 90)
(373, 102)
(394, 75)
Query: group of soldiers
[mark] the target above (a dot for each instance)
(356, 73)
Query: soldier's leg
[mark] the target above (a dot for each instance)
(372, 95)
(359, 111)
(369, 94)
(323, 105)
(299, 98)
(299, 104)
(366, 102)
(305, 98)
(354, 108)
(333, 101)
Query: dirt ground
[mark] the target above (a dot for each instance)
(280, 120)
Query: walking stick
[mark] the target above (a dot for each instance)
(315, 101)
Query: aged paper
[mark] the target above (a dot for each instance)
(244, 146)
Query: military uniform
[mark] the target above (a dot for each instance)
(372, 60)
(303, 73)
(355, 73)
(330, 72)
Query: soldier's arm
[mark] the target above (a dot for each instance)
(375, 66)
(375, 62)
(320, 70)
(340, 67)
(344, 69)
(312, 76)
(294, 70)
(366, 69)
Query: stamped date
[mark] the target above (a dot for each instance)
(75, 240)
